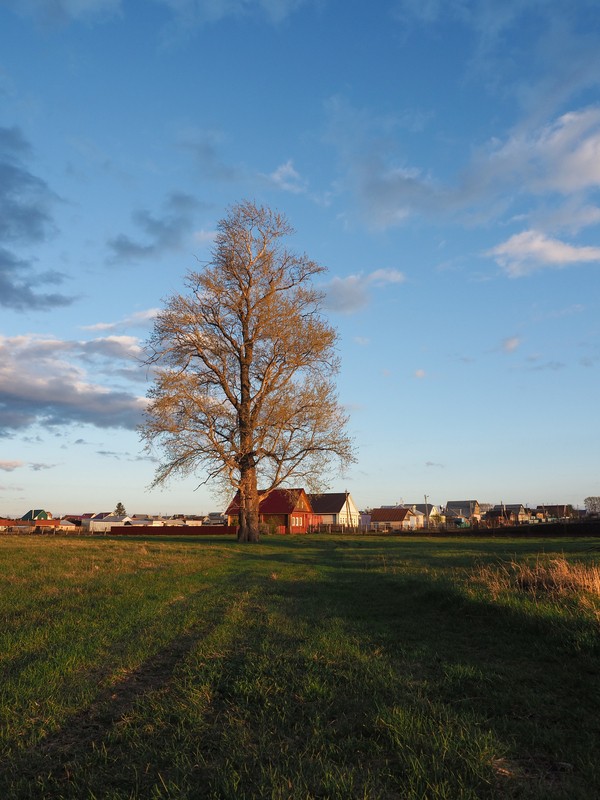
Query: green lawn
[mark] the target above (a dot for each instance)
(308, 667)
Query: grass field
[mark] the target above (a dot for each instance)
(309, 667)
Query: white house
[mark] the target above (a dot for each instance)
(336, 509)
(104, 522)
(395, 518)
(426, 513)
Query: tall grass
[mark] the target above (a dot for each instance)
(546, 575)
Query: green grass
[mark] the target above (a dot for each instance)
(309, 667)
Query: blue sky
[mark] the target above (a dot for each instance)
(441, 159)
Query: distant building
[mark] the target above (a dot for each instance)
(508, 514)
(215, 518)
(462, 512)
(559, 512)
(104, 522)
(336, 509)
(282, 510)
(397, 518)
(67, 525)
(36, 514)
(428, 513)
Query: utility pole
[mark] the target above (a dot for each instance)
(347, 509)
(426, 513)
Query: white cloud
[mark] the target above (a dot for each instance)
(572, 216)
(532, 250)
(286, 178)
(382, 277)
(563, 156)
(139, 318)
(112, 348)
(570, 152)
(353, 292)
(556, 165)
(9, 466)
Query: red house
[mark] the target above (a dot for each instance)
(282, 510)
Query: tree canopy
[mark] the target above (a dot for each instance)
(592, 505)
(244, 366)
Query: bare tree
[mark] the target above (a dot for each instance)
(244, 364)
(592, 505)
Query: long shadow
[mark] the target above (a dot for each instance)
(87, 729)
(530, 680)
(523, 676)
(492, 667)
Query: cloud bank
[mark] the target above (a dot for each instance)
(25, 220)
(44, 381)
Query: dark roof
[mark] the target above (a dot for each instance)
(331, 503)
(464, 507)
(35, 513)
(557, 509)
(390, 514)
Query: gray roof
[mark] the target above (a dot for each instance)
(422, 507)
(461, 506)
(331, 503)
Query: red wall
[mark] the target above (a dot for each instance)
(172, 530)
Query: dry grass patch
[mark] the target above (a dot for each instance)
(554, 576)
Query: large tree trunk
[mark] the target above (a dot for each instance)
(248, 531)
(252, 502)
(242, 533)
(247, 461)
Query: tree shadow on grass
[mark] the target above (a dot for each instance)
(53, 757)
(359, 684)
(529, 679)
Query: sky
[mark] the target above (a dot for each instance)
(441, 158)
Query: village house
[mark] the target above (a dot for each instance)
(462, 512)
(88, 517)
(429, 514)
(508, 514)
(281, 511)
(558, 512)
(36, 514)
(335, 509)
(395, 518)
(104, 522)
